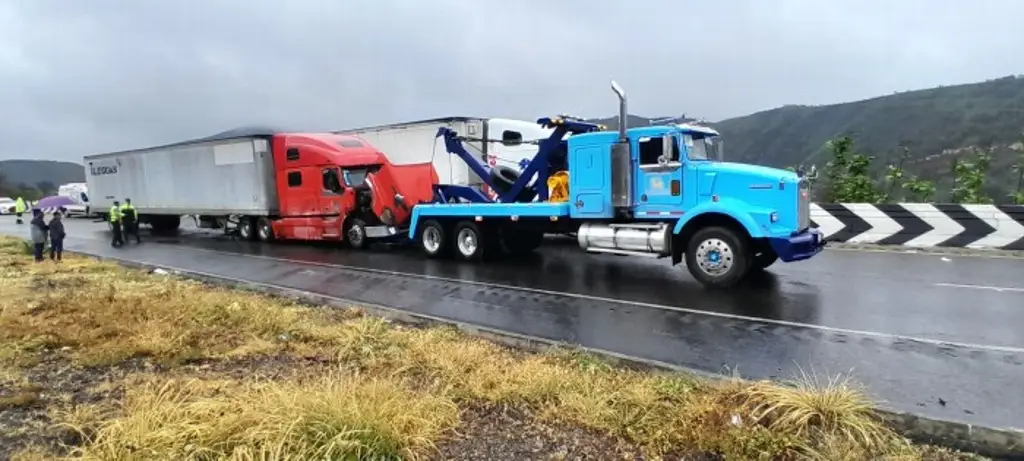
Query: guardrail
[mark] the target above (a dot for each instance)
(922, 224)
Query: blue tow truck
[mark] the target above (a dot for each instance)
(653, 191)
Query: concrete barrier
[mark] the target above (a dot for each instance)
(922, 225)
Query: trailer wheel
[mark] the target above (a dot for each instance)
(355, 234)
(469, 241)
(264, 230)
(433, 239)
(717, 257)
(246, 228)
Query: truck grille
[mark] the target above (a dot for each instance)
(803, 205)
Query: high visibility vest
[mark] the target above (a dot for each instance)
(115, 214)
(19, 205)
(125, 207)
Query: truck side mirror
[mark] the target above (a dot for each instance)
(668, 147)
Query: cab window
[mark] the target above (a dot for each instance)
(650, 150)
(331, 181)
(355, 177)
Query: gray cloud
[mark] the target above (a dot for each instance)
(79, 77)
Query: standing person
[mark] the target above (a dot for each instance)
(130, 221)
(57, 235)
(115, 225)
(19, 208)
(39, 230)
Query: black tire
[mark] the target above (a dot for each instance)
(468, 241)
(246, 228)
(434, 239)
(164, 224)
(732, 257)
(519, 241)
(504, 178)
(355, 234)
(264, 230)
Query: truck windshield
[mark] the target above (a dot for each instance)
(702, 147)
(355, 177)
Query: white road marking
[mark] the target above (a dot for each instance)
(981, 287)
(865, 333)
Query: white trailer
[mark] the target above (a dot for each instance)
(415, 142)
(223, 175)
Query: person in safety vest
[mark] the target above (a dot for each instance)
(115, 225)
(19, 208)
(130, 221)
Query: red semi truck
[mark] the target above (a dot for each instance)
(266, 184)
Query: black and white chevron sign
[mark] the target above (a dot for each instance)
(922, 224)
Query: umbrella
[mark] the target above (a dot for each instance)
(52, 203)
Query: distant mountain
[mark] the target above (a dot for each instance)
(937, 125)
(14, 173)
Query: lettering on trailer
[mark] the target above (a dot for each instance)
(100, 170)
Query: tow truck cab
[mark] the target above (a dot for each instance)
(338, 187)
(663, 191)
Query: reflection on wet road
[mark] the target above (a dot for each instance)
(882, 315)
(924, 296)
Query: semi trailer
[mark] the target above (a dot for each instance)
(654, 191)
(265, 184)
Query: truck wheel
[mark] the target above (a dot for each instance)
(355, 235)
(717, 257)
(433, 239)
(246, 228)
(264, 230)
(469, 241)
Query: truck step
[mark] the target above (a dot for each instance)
(647, 226)
(625, 253)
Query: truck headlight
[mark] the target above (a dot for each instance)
(774, 217)
(387, 217)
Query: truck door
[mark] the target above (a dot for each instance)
(659, 184)
(332, 208)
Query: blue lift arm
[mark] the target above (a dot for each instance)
(538, 165)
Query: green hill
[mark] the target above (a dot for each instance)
(937, 125)
(27, 176)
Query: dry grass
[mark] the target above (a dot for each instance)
(391, 392)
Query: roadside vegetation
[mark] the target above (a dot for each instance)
(103, 362)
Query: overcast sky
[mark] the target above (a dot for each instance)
(88, 76)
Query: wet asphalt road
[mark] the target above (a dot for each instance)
(881, 315)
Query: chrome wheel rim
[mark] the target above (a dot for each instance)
(467, 242)
(355, 235)
(714, 257)
(431, 239)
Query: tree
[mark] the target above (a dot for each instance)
(848, 174)
(46, 187)
(895, 174)
(969, 179)
(1018, 195)
(920, 190)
